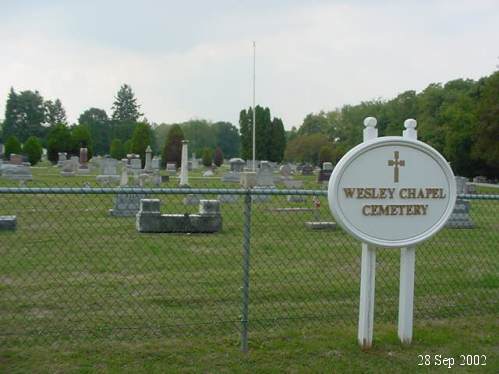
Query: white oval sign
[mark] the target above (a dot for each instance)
(392, 192)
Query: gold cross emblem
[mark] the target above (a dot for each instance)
(396, 163)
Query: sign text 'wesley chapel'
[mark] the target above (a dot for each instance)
(392, 192)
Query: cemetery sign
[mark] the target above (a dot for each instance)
(392, 192)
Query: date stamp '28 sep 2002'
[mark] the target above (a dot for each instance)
(450, 361)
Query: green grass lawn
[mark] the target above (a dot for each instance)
(81, 290)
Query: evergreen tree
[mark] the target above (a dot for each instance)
(263, 140)
(59, 140)
(99, 126)
(227, 138)
(12, 145)
(24, 115)
(218, 158)
(486, 134)
(326, 154)
(117, 149)
(33, 150)
(246, 130)
(172, 151)
(54, 113)
(140, 140)
(277, 140)
(80, 138)
(207, 157)
(125, 107)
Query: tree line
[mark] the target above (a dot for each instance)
(459, 118)
(44, 122)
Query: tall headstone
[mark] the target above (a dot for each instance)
(184, 171)
(148, 164)
(195, 161)
(460, 217)
(124, 173)
(61, 157)
(83, 167)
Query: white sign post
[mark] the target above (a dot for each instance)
(390, 192)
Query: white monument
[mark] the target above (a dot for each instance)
(391, 192)
(148, 163)
(184, 171)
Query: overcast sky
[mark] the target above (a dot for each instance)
(193, 59)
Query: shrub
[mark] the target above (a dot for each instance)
(12, 145)
(218, 159)
(33, 150)
(140, 140)
(207, 157)
(59, 140)
(172, 151)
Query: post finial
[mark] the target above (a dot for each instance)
(370, 122)
(410, 123)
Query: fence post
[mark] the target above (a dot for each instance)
(368, 269)
(407, 268)
(246, 269)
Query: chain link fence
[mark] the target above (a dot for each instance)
(71, 268)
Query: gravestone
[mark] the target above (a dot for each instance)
(285, 171)
(460, 217)
(184, 170)
(480, 179)
(325, 172)
(236, 164)
(8, 223)
(293, 184)
(264, 175)
(148, 163)
(150, 220)
(20, 173)
(208, 173)
(124, 173)
(68, 168)
(83, 167)
(155, 167)
(236, 167)
(307, 170)
(228, 199)
(171, 169)
(195, 161)
(61, 157)
(109, 174)
(135, 168)
(16, 159)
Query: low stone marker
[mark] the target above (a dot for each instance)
(325, 172)
(307, 170)
(150, 220)
(8, 223)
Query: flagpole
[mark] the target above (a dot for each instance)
(254, 114)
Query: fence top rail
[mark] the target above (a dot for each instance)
(187, 191)
(166, 191)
